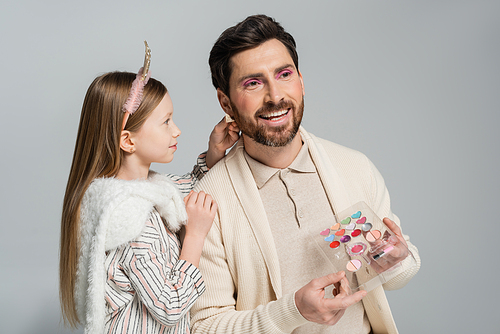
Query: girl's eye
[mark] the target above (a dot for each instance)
(167, 121)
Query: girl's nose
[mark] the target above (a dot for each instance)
(177, 131)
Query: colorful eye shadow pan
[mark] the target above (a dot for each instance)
(373, 235)
(357, 248)
(356, 215)
(340, 232)
(353, 265)
(330, 238)
(335, 227)
(350, 227)
(356, 233)
(345, 239)
(335, 244)
(325, 232)
(366, 227)
(361, 221)
(346, 221)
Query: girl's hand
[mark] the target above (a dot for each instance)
(223, 137)
(201, 209)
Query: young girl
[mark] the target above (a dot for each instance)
(121, 267)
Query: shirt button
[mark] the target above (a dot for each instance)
(301, 214)
(292, 192)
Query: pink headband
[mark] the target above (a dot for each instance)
(136, 92)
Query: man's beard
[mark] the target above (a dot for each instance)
(273, 136)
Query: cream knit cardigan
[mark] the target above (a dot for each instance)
(239, 261)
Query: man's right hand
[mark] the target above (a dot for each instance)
(312, 304)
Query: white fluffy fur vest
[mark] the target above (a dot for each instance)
(114, 212)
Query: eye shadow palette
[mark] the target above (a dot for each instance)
(360, 244)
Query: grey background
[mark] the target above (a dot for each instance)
(412, 84)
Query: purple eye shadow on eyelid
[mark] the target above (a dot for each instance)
(282, 72)
(248, 82)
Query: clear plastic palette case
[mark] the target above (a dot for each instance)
(360, 244)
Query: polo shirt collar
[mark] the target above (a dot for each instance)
(262, 173)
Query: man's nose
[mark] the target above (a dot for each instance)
(274, 92)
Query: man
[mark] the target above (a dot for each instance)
(262, 273)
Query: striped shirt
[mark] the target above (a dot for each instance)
(187, 181)
(148, 289)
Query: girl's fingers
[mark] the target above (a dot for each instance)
(222, 124)
(213, 209)
(193, 198)
(208, 202)
(187, 197)
(234, 135)
(201, 201)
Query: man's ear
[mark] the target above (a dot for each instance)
(302, 84)
(127, 142)
(225, 103)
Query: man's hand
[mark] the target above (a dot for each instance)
(223, 136)
(390, 249)
(312, 304)
(396, 230)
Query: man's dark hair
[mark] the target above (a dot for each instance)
(248, 34)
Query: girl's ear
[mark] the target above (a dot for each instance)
(225, 103)
(126, 142)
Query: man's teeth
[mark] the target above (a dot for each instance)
(275, 114)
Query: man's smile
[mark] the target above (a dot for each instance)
(276, 115)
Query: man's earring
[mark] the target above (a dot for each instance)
(229, 119)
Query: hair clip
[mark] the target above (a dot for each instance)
(135, 96)
(147, 61)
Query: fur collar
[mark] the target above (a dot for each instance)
(114, 212)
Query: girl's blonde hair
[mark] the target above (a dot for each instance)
(97, 154)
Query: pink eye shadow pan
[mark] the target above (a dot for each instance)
(373, 235)
(353, 265)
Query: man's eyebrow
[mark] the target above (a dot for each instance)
(279, 69)
(260, 74)
(253, 75)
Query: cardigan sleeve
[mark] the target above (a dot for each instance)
(186, 182)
